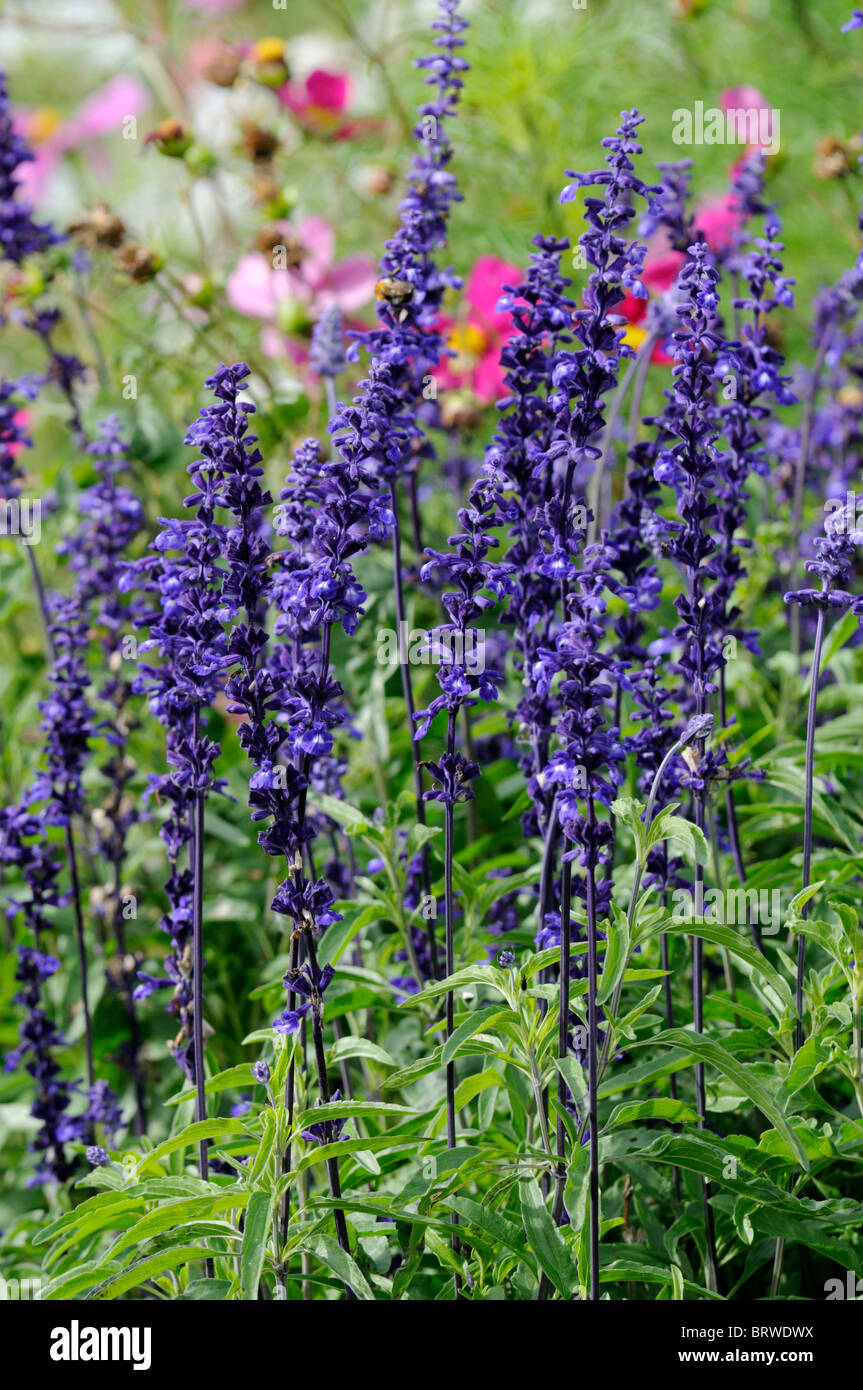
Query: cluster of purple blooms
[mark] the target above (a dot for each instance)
(186, 612)
(25, 848)
(20, 235)
(55, 799)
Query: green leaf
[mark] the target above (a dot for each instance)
(378, 1143)
(104, 1207)
(346, 1047)
(474, 1023)
(690, 837)
(222, 830)
(840, 633)
(631, 1076)
(192, 1134)
(148, 1268)
(659, 1108)
(215, 1290)
(707, 1050)
(616, 956)
(521, 803)
(805, 895)
(265, 1148)
(234, 1077)
(343, 1109)
(498, 1228)
(737, 944)
(257, 1231)
(408, 1076)
(573, 1074)
(629, 811)
(806, 1063)
(339, 811)
(341, 934)
(74, 1282)
(419, 836)
(624, 1024)
(169, 1215)
(488, 975)
(330, 1253)
(545, 1239)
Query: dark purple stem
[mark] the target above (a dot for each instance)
(332, 1163)
(807, 814)
(198, 952)
(450, 966)
(592, 1058)
(410, 709)
(82, 950)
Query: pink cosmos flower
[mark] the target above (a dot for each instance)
(100, 114)
(661, 269)
(22, 419)
(719, 219)
(479, 335)
(320, 103)
(290, 299)
(745, 99)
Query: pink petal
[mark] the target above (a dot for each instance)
(103, 112)
(350, 283)
(272, 341)
(718, 221)
(293, 97)
(484, 288)
(488, 383)
(33, 176)
(632, 309)
(747, 98)
(330, 90)
(743, 97)
(296, 350)
(660, 272)
(251, 287)
(319, 240)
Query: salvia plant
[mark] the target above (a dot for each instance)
(532, 969)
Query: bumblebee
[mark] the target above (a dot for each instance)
(395, 292)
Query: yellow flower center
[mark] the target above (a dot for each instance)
(43, 123)
(469, 343)
(634, 335)
(850, 395)
(269, 51)
(321, 119)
